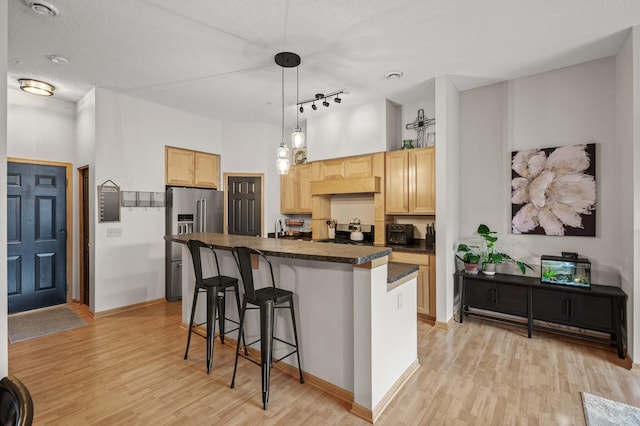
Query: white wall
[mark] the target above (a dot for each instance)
(40, 128)
(85, 145)
(251, 148)
(635, 296)
(447, 114)
(624, 115)
(4, 342)
(130, 137)
(348, 131)
(561, 107)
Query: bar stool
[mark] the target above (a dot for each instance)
(215, 287)
(266, 299)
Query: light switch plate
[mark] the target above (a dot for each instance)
(114, 232)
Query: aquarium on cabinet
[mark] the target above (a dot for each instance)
(565, 271)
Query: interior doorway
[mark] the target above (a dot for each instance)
(245, 203)
(39, 223)
(83, 235)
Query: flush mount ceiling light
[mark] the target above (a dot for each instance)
(392, 75)
(36, 87)
(322, 97)
(42, 7)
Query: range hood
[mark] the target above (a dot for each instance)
(365, 185)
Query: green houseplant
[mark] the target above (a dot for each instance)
(470, 258)
(490, 257)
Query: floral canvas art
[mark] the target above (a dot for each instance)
(553, 191)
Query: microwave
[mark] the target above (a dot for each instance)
(399, 233)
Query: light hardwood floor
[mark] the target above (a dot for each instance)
(127, 369)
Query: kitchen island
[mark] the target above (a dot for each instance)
(357, 330)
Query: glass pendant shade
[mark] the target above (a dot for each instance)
(282, 161)
(297, 138)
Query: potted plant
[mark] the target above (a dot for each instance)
(470, 258)
(490, 257)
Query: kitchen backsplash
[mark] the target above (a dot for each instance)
(419, 222)
(344, 207)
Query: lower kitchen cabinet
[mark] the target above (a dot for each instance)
(426, 281)
(598, 308)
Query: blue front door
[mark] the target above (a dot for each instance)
(36, 236)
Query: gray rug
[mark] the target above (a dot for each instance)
(599, 411)
(29, 325)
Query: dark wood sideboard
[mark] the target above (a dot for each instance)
(598, 308)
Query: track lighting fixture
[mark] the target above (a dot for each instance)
(322, 97)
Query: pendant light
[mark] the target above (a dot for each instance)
(285, 60)
(297, 137)
(282, 162)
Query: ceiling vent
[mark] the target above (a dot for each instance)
(42, 7)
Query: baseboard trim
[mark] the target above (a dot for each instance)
(444, 325)
(397, 386)
(288, 369)
(363, 413)
(121, 309)
(316, 382)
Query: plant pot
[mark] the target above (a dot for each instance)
(471, 268)
(489, 268)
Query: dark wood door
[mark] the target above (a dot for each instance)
(244, 215)
(36, 236)
(84, 234)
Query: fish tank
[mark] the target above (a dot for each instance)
(565, 271)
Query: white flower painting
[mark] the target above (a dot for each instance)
(553, 191)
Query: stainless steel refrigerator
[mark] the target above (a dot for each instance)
(188, 210)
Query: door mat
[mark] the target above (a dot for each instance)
(599, 411)
(42, 322)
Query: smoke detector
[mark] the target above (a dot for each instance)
(392, 75)
(58, 59)
(43, 7)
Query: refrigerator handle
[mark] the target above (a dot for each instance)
(198, 215)
(204, 215)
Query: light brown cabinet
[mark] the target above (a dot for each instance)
(346, 168)
(191, 168)
(295, 190)
(426, 281)
(411, 182)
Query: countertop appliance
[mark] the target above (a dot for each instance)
(344, 231)
(188, 210)
(399, 233)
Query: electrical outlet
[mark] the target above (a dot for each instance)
(399, 301)
(114, 232)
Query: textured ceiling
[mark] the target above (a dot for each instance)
(215, 57)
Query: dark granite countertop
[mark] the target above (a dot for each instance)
(418, 246)
(396, 271)
(293, 249)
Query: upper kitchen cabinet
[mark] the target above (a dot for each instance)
(191, 168)
(295, 189)
(347, 168)
(411, 182)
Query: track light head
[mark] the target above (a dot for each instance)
(325, 103)
(337, 99)
(301, 109)
(313, 106)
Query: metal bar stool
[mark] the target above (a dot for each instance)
(215, 287)
(266, 299)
